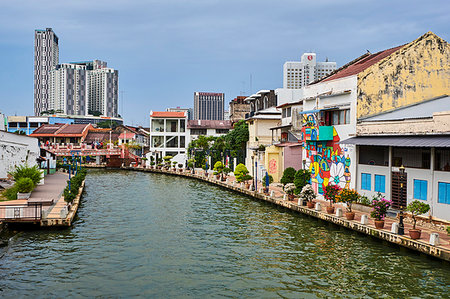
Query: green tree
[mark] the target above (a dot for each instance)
(106, 124)
(301, 179)
(288, 176)
(236, 139)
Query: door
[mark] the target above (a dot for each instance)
(399, 188)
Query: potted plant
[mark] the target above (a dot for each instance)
(226, 171)
(307, 195)
(288, 176)
(380, 205)
(205, 168)
(180, 167)
(416, 208)
(167, 162)
(289, 189)
(266, 187)
(301, 179)
(174, 165)
(191, 165)
(159, 166)
(152, 165)
(330, 193)
(240, 171)
(24, 188)
(218, 168)
(348, 196)
(246, 178)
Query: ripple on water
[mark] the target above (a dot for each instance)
(153, 235)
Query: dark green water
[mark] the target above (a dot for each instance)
(158, 236)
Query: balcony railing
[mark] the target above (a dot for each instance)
(21, 213)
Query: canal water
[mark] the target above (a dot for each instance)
(158, 236)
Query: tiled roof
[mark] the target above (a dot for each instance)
(73, 129)
(167, 114)
(61, 130)
(358, 65)
(47, 129)
(209, 124)
(127, 135)
(100, 136)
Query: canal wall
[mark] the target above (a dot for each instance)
(404, 241)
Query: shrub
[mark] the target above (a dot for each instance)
(417, 208)
(348, 196)
(331, 192)
(75, 184)
(289, 188)
(218, 167)
(244, 178)
(380, 207)
(226, 170)
(24, 185)
(240, 172)
(307, 193)
(301, 179)
(25, 171)
(11, 193)
(264, 179)
(364, 200)
(288, 176)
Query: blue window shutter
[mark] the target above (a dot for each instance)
(416, 189)
(447, 194)
(423, 190)
(383, 183)
(365, 181)
(441, 192)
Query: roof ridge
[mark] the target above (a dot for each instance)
(60, 129)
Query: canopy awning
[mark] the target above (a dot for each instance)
(401, 141)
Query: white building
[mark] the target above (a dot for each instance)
(103, 89)
(297, 74)
(168, 133)
(208, 128)
(46, 57)
(68, 93)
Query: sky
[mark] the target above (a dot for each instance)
(166, 50)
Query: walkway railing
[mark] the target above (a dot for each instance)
(21, 213)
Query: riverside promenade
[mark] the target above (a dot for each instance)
(277, 196)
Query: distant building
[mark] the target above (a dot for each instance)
(238, 108)
(297, 74)
(209, 106)
(61, 134)
(213, 128)
(189, 111)
(168, 133)
(46, 57)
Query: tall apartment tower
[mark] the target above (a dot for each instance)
(103, 89)
(68, 93)
(297, 74)
(209, 105)
(46, 57)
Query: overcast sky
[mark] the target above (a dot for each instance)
(166, 50)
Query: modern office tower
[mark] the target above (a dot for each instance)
(209, 106)
(297, 74)
(68, 92)
(46, 57)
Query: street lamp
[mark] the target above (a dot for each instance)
(304, 163)
(401, 226)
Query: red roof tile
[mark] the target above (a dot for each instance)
(74, 129)
(167, 114)
(359, 64)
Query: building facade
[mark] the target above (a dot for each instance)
(297, 74)
(46, 57)
(68, 93)
(209, 105)
(168, 133)
(238, 108)
(103, 90)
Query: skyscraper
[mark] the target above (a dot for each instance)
(297, 74)
(103, 89)
(46, 57)
(208, 105)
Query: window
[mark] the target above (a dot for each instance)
(171, 125)
(365, 181)
(288, 112)
(444, 193)
(380, 183)
(420, 189)
(182, 125)
(198, 131)
(157, 125)
(222, 131)
(337, 117)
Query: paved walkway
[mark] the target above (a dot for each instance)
(53, 187)
(426, 231)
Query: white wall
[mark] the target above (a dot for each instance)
(17, 150)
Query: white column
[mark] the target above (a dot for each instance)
(432, 184)
(389, 177)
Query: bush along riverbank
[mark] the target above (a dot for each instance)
(71, 190)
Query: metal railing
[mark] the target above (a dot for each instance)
(23, 213)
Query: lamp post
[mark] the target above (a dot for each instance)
(401, 226)
(304, 163)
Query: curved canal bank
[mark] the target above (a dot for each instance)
(148, 235)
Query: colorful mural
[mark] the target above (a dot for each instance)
(327, 161)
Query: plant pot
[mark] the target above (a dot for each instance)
(310, 204)
(247, 186)
(218, 176)
(304, 202)
(415, 233)
(350, 215)
(23, 195)
(379, 224)
(330, 210)
(291, 196)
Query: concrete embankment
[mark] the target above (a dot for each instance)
(421, 245)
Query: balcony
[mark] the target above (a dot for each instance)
(320, 133)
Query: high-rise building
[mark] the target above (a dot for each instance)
(46, 57)
(209, 106)
(68, 89)
(103, 89)
(297, 74)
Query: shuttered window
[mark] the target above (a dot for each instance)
(420, 189)
(444, 193)
(365, 181)
(380, 183)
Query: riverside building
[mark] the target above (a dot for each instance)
(297, 74)
(46, 57)
(209, 105)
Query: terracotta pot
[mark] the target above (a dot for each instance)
(247, 186)
(291, 196)
(350, 215)
(379, 224)
(330, 210)
(310, 204)
(415, 233)
(218, 176)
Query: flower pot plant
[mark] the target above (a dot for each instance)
(289, 189)
(24, 188)
(246, 179)
(330, 193)
(226, 171)
(218, 169)
(348, 196)
(180, 167)
(152, 165)
(288, 176)
(307, 195)
(416, 208)
(380, 205)
(240, 171)
(174, 165)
